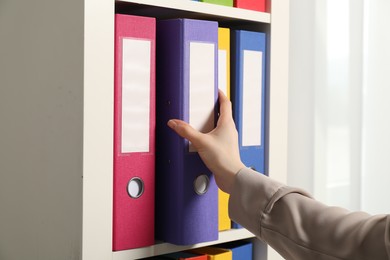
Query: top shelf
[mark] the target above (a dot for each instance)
(168, 9)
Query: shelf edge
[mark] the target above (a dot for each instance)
(165, 248)
(207, 8)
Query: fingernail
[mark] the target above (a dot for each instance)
(172, 124)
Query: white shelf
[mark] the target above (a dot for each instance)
(166, 248)
(187, 8)
(59, 91)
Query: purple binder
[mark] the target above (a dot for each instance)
(186, 193)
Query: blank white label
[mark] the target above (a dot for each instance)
(252, 86)
(201, 87)
(222, 71)
(135, 95)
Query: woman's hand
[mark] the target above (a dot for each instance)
(218, 148)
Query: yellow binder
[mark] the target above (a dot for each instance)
(224, 222)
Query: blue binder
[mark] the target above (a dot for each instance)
(240, 249)
(248, 63)
(186, 192)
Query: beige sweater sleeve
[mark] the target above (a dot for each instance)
(299, 227)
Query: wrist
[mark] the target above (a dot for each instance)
(229, 176)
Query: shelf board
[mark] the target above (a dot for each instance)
(166, 248)
(191, 9)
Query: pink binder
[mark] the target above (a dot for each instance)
(134, 132)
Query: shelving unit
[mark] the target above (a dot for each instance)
(56, 114)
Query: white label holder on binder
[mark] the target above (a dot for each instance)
(135, 95)
(201, 87)
(252, 87)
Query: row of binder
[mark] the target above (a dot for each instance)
(172, 69)
(256, 5)
(239, 250)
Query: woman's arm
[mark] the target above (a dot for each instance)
(299, 227)
(286, 218)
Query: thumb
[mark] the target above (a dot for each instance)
(185, 130)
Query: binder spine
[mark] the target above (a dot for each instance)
(224, 221)
(249, 43)
(256, 5)
(251, 155)
(183, 216)
(219, 2)
(133, 210)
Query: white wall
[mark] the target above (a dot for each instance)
(301, 95)
(339, 101)
(376, 108)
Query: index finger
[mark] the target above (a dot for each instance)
(225, 107)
